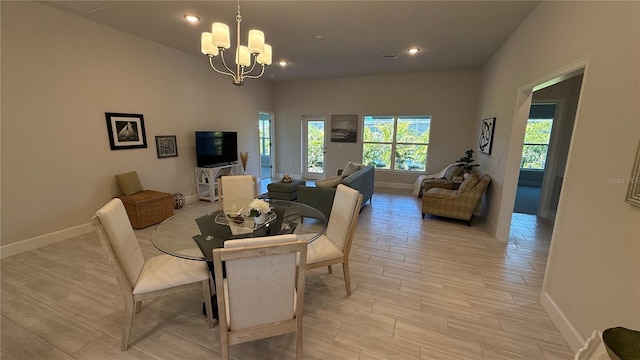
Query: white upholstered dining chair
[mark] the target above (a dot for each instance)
(263, 290)
(237, 189)
(141, 279)
(334, 245)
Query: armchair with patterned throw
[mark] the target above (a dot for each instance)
(456, 204)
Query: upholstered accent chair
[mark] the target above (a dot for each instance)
(444, 182)
(456, 204)
(334, 245)
(261, 289)
(141, 279)
(144, 207)
(237, 189)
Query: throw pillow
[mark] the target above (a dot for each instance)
(468, 183)
(350, 169)
(129, 183)
(329, 182)
(452, 171)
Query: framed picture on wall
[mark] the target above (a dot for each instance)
(633, 191)
(344, 128)
(166, 146)
(126, 131)
(486, 135)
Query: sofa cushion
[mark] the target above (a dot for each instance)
(350, 169)
(129, 183)
(329, 182)
(468, 183)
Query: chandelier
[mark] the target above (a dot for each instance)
(215, 43)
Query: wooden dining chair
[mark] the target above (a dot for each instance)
(334, 245)
(141, 279)
(237, 189)
(262, 293)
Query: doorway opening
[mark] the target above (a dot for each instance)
(265, 128)
(314, 127)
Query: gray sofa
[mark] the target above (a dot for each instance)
(322, 197)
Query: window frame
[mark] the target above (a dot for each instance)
(394, 142)
(525, 144)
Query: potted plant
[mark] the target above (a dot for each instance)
(258, 209)
(466, 162)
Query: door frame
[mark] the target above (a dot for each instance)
(305, 173)
(272, 158)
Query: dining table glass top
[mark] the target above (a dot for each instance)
(193, 232)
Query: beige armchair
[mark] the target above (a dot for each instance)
(456, 204)
(262, 291)
(334, 245)
(444, 182)
(237, 190)
(141, 279)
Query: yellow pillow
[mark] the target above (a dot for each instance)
(129, 183)
(329, 182)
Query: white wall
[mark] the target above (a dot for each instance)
(592, 277)
(60, 74)
(450, 97)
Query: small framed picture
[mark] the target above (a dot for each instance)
(126, 131)
(166, 146)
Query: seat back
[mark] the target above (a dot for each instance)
(344, 217)
(236, 191)
(119, 243)
(260, 285)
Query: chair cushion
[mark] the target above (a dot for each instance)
(329, 182)
(129, 183)
(166, 271)
(322, 249)
(468, 183)
(351, 168)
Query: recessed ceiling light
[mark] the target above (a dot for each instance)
(413, 51)
(282, 63)
(192, 18)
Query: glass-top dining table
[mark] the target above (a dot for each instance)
(194, 232)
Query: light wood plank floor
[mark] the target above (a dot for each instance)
(422, 289)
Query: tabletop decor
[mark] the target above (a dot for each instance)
(258, 209)
(286, 179)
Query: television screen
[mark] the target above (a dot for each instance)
(215, 148)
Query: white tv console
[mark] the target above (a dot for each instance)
(207, 179)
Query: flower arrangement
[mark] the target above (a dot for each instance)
(257, 207)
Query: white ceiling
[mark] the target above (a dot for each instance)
(355, 34)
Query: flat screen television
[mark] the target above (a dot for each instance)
(215, 148)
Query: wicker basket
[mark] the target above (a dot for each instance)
(147, 207)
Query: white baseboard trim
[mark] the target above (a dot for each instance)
(43, 240)
(563, 324)
(391, 185)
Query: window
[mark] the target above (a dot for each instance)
(536, 144)
(406, 137)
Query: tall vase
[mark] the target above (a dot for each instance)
(259, 220)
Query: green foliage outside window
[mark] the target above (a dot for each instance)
(315, 145)
(406, 137)
(536, 143)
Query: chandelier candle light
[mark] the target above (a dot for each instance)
(256, 52)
